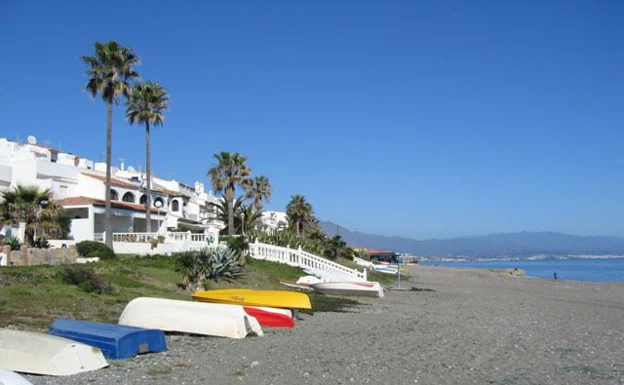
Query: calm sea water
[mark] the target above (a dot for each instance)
(596, 270)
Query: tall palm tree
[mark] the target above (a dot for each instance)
(300, 213)
(110, 72)
(223, 211)
(250, 218)
(259, 189)
(147, 104)
(231, 171)
(33, 207)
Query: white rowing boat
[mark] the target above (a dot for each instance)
(367, 289)
(39, 353)
(170, 315)
(8, 377)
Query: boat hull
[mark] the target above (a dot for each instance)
(271, 317)
(295, 285)
(39, 353)
(246, 297)
(189, 317)
(115, 341)
(8, 377)
(363, 289)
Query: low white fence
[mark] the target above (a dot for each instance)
(141, 243)
(302, 259)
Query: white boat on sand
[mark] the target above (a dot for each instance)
(8, 377)
(367, 289)
(39, 353)
(170, 315)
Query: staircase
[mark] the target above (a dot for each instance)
(313, 264)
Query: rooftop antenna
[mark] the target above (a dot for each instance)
(337, 229)
(171, 174)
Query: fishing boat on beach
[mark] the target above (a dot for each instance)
(247, 297)
(38, 353)
(189, 317)
(8, 377)
(367, 289)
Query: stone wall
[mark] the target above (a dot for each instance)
(30, 256)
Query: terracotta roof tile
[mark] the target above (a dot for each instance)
(79, 201)
(114, 181)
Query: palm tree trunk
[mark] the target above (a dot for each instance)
(229, 195)
(108, 227)
(148, 173)
(298, 226)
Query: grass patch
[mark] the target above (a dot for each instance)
(34, 296)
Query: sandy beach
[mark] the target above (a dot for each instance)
(476, 327)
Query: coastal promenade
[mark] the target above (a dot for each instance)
(476, 327)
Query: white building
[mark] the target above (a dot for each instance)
(79, 185)
(274, 221)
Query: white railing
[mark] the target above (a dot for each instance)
(182, 241)
(98, 237)
(187, 237)
(302, 259)
(134, 237)
(171, 237)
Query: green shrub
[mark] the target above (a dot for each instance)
(42, 243)
(223, 263)
(86, 279)
(214, 264)
(92, 249)
(13, 242)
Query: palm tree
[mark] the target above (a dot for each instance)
(33, 207)
(147, 104)
(299, 213)
(230, 171)
(334, 247)
(260, 188)
(110, 72)
(223, 209)
(249, 218)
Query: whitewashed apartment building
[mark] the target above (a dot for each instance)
(78, 184)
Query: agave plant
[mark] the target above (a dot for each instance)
(198, 266)
(12, 242)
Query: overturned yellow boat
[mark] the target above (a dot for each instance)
(248, 297)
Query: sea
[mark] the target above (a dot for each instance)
(593, 270)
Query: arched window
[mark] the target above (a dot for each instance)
(114, 195)
(128, 197)
(143, 199)
(175, 205)
(158, 202)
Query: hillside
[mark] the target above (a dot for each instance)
(522, 244)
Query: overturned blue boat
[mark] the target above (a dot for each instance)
(115, 341)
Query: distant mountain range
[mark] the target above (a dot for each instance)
(522, 244)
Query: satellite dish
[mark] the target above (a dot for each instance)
(32, 139)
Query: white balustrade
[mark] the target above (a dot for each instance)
(180, 241)
(134, 237)
(301, 259)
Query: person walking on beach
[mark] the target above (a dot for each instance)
(555, 275)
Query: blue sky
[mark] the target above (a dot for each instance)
(423, 119)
